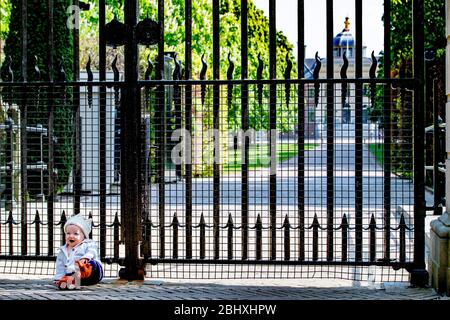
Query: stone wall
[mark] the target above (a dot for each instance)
(439, 260)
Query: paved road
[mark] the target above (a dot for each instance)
(19, 288)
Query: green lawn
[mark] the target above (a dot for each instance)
(377, 149)
(400, 169)
(259, 156)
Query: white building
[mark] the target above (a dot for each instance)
(315, 116)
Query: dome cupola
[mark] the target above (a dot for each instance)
(344, 41)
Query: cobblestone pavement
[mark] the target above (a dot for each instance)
(21, 288)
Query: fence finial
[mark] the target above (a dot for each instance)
(287, 76)
(316, 77)
(259, 76)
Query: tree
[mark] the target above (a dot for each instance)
(401, 58)
(230, 43)
(37, 106)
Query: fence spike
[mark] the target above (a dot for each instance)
(203, 77)
(61, 71)
(344, 85)
(37, 72)
(315, 227)
(402, 230)
(259, 76)
(258, 228)
(175, 225)
(63, 221)
(90, 78)
(7, 72)
(230, 67)
(230, 77)
(116, 237)
(91, 219)
(373, 67)
(37, 230)
(287, 238)
(316, 77)
(344, 233)
(90, 75)
(372, 243)
(149, 70)
(11, 223)
(115, 70)
(202, 226)
(372, 75)
(177, 70)
(344, 66)
(287, 76)
(63, 218)
(230, 226)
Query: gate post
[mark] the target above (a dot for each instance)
(439, 260)
(419, 274)
(130, 156)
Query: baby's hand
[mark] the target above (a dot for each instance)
(84, 260)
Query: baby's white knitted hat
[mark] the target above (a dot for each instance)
(83, 224)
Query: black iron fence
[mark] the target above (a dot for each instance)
(270, 190)
(308, 172)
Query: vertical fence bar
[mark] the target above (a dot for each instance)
(330, 130)
(9, 159)
(11, 223)
(402, 237)
(344, 233)
(202, 227)
(301, 130)
(23, 133)
(148, 235)
(315, 238)
(258, 230)
(372, 239)
(358, 133)
(273, 128)
(116, 236)
(50, 198)
(245, 127)
(419, 275)
(102, 127)
(188, 126)
(216, 125)
(37, 231)
(160, 116)
(287, 238)
(130, 165)
(230, 227)
(76, 116)
(62, 222)
(175, 226)
(387, 126)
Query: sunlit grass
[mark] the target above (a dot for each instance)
(259, 155)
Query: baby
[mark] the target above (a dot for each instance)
(78, 262)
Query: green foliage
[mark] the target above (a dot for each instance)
(230, 43)
(38, 38)
(401, 57)
(37, 106)
(5, 12)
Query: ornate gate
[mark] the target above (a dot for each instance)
(266, 174)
